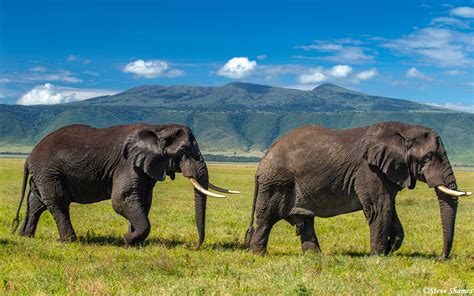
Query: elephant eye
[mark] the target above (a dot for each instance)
(428, 156)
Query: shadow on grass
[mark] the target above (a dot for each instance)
(234, 245)
(399, 254)
(4, 242)
(98, 239)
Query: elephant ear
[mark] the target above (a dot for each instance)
(385, 148)
(146, 151)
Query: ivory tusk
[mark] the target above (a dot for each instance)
(452, 192)
(202, 190)
(220, 189)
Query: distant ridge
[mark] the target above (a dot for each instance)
(327, 97)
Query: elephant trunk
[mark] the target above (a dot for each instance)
(448, 206)
(200, 200)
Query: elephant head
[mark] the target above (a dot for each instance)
(405, 154)
(168, 149)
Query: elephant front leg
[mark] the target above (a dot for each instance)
(379, 215)
(135, 211)
(309, 240)
(396, 234)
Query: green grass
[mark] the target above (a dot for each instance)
(167, 263)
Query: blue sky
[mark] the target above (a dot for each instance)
(61, 51)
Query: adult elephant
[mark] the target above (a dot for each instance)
(82, 164)
(314, 171)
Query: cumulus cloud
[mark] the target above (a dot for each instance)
(340, 71)
(237, 67)
(151, 69)
(366, 75)
(464, 11)
(414, 73)
(437, 46)
(312, 76)
(343, 51)
(44, 94)
(49, 94)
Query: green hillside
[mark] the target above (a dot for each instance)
(239, 96)
(246, 131)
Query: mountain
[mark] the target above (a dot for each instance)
(239, 96)
(237, 118)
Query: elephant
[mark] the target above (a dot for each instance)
(82, 164)
(317, 172)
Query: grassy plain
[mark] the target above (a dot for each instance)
(167, 263)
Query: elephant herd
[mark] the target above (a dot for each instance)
(310, 172)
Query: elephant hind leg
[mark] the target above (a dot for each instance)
(57, 199)
(309, 240)
(63, 222)
(34, 208)
(396, 234)
(260, 238)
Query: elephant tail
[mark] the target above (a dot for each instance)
(251, 229)
(16, 220)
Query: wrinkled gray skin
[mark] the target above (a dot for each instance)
(317, 172)
(85, 165)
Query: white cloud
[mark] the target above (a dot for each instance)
(237, 67)
(414, 73)
(312, 76)
(151, 69)
(44, 94)
(439, 47)
(343, 51)
(38, 69)
(464, 11)
(49, 94)
(450, 21)
(262, 57)
(340, 71)
(455, 106)
(75, 58)
(41, 74)
(366, 75)
(454, 72)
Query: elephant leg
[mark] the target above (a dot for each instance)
(396, 234)
(135, 211)
(147, 206)
(34, 209)
(63, 222)
(309, 240)
(379, 216)
(259, 241)
(57, 200)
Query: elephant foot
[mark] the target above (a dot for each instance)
(259, 251)
(310, 247)
(69, 239)
(442, 258)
